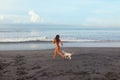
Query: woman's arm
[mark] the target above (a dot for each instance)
(54, 41)
(61, 43)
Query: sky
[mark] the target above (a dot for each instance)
(98, 13)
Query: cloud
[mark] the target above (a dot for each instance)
(1, 18)
(35, 18)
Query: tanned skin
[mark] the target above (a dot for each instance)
(57, 50)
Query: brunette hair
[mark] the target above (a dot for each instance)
(57, 38)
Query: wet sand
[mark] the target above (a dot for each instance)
(86, 64)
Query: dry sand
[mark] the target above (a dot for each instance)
(86, 64)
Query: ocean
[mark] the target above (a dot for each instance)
(39, 36)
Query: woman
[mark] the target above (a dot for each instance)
(57, 41)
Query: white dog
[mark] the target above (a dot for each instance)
(67, 55)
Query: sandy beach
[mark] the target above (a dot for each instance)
(86, 64)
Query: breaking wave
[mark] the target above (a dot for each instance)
(46, 39)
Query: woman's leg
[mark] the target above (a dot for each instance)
(60, 53)
(55, 53)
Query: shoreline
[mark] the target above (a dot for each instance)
(86, 63)
(49, 45)
(68, 49)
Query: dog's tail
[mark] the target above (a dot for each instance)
(63, 51)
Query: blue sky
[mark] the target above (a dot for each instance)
(99, 13)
